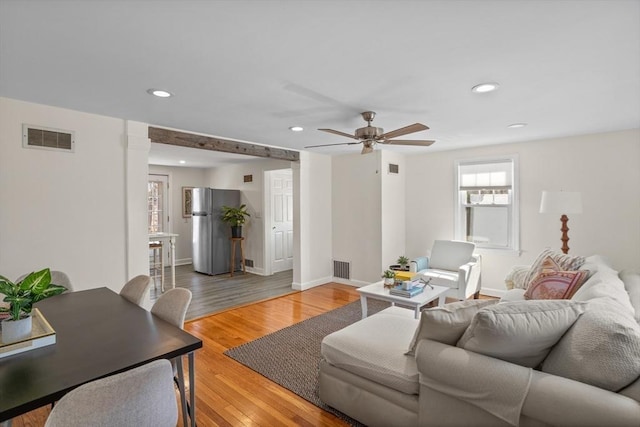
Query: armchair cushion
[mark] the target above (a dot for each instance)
(450, 254)
(520, 332)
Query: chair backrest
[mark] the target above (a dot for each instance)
(450, 254)
(57, 278)
(136, 289)
(143, 396)
(172, 306)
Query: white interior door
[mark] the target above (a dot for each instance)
(281, 220)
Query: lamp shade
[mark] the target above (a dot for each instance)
(561, 202)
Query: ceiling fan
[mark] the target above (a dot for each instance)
(369, 135)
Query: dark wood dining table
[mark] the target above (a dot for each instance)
(98, 333)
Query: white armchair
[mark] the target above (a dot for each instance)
(454, 265)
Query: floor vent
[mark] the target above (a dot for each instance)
(48, 138)
(248, 263)
(342, 269)
(394, 168)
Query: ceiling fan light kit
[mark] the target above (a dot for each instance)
(369, 135)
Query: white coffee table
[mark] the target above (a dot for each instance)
(379, 292)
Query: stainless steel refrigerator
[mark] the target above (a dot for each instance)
(211, 246)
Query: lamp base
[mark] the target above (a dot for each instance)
(565, 237)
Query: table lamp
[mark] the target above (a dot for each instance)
(563, 203)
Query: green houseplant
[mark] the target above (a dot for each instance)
(389, 277)
(403, 261)
(21, 296)
(235, 217)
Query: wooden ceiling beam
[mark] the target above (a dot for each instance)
(190, 140)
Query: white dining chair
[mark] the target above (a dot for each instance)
(137, 289)
(143, 396)
(172, 307)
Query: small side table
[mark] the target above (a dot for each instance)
(234, 241)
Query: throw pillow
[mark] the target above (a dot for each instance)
(601, 349)
(563, 262)
(520, 332)
(556, 284)
(446, 324)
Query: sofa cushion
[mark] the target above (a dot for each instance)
(520, 332)
(602, 348)
(603, 284)
(631, 281)
(446, 324)
(374, 348)
(563, 261)
(555, 284)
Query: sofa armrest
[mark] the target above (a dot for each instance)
(560, 401)
(419, 264)
(493, 387)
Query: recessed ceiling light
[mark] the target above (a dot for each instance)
(517, 125)
(485, 87)
(182, 162)
(159, 93)
(296, 128)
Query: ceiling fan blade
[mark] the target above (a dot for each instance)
(337, 132)
(416, 127)
(420, 142)
(329, 145)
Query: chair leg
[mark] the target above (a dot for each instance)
(183, 398)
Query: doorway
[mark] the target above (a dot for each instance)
(278, 203)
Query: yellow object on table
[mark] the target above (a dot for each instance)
(405, 275)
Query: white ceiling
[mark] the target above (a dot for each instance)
(249, 70)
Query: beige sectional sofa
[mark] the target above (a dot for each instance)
(531, 363)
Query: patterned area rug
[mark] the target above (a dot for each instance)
(290, 357)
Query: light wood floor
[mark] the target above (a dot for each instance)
(212, 294)
(230, 394)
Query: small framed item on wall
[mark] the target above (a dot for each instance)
(186, 202)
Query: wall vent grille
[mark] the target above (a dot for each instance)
(48, 138)
(394, 168)
(248, 263)
(342, 269)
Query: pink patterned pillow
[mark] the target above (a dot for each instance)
(556, 284)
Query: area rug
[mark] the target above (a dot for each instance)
(290, 357)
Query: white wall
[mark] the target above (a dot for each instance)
(180, 177)
(357, 218)
(231, 177)
(604, 167)
(63, 210)
(393, 204)
(312, 220)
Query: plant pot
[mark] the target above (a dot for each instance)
(389, 281)
(16, 330)
(236, 231)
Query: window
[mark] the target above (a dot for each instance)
(157, 202)
(487, 203)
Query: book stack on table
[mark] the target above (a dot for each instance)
(407, 293)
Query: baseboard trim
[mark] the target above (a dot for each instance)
(354, 283)
(312, 284)
(184, 261)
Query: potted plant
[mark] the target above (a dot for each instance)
(21, 296)
(389, 278)
(235, 217)
(403, 261)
